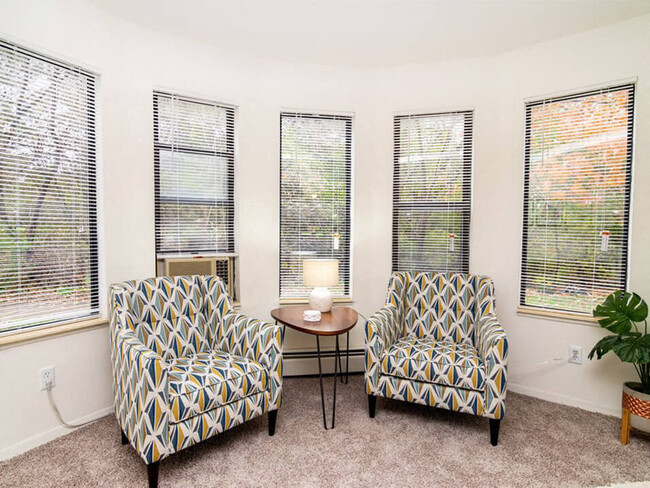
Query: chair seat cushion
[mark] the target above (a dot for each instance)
(440, 362)
(208, 380)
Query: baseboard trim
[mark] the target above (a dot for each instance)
(50, 435)
(562, 399)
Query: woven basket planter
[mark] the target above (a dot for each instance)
(636, 410)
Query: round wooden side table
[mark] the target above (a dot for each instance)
(339, 321)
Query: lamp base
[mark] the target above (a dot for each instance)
(320, 299)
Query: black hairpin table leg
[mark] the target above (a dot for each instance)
(337, 359)
(320, 380)
(347, 357)
(347, 360)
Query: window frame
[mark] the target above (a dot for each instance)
(560, 313)
(347, 239)
(464, 206)
(230, 156)
(50, 327)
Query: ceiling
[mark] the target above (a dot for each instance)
(372, 33)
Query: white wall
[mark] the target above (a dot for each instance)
(131, 61)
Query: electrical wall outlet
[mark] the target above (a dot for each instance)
(575, 354)
(47, 377)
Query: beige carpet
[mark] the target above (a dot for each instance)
(541, 444)
(639, 484)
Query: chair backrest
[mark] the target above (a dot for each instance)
(442, 305)
(174, 316)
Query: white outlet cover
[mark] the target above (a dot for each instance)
(575, 354)
(47, 372)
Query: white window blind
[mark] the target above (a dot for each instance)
(194, 171)
(432, 191)
(48, 207)
(315, 197)
(578, 164)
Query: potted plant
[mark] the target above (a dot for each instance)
(622, 313)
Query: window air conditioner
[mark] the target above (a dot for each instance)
(221, 266)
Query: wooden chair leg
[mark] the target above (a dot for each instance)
(625, 427)
(372, 405)
(494, 431)
(152, 474)
(273, 416)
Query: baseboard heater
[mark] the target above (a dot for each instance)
(297, 370)
(323, 354)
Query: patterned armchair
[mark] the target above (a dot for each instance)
(186, 366)
(437, 341)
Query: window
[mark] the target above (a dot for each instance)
(48, 201)
(432, 192)
(194, 161)
(315, 194)
(577, 180)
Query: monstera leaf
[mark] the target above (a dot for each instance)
(630, 348)
(620, 310)
(605, 345)
(634, 349)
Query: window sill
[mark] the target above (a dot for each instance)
(302, 301)
(28, 335)
(557, 315)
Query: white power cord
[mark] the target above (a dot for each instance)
(550, 361)
(50, 397)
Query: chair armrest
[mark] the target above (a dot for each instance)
(141, 395)
(381, 331)
(256, 340)
(492, 346)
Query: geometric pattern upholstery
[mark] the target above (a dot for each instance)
(437, 341)
(255, 340)
(435, 361)
(186, 366)
(431, 394)
(207, 380)
(196, 429)
(440, 306)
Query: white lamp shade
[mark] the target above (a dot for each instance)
(320, 272)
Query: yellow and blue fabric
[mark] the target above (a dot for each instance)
(186, 366)
(437, 341)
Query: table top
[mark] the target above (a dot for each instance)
(338, 321)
